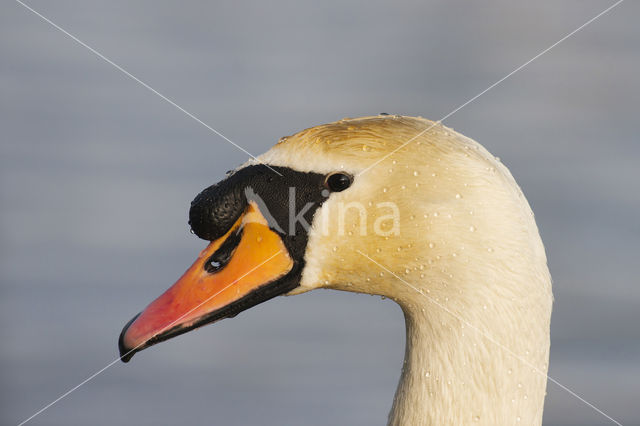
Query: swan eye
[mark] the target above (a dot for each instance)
(337, 182)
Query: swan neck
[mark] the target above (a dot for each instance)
(453, 375)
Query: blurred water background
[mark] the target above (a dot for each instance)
(96, 176)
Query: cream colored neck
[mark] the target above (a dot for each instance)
(452, 374)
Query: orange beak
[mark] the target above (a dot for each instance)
(244, 267)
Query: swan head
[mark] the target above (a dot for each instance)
(388, 205)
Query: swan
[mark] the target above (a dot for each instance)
(396, 206)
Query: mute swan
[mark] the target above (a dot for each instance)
(440, 226)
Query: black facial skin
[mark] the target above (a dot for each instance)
(217, 208)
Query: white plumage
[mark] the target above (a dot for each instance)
(466, 265)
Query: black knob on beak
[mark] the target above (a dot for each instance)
(214, 211)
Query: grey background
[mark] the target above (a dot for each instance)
(97, 174)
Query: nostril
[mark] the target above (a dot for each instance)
(221, 257)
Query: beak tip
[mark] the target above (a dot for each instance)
(126, 353)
